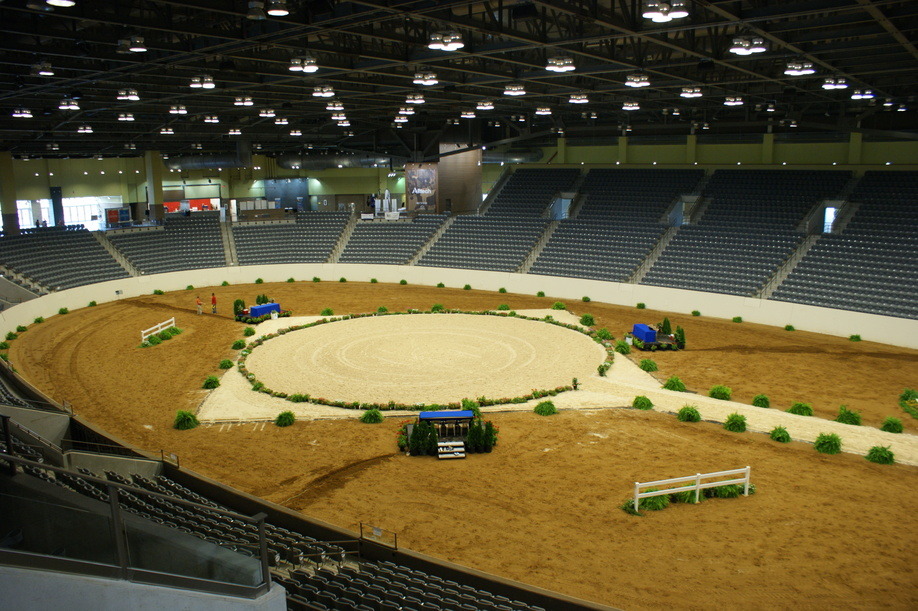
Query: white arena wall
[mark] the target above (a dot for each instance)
(871, 327)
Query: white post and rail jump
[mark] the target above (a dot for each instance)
(697, 484)
(156, 329)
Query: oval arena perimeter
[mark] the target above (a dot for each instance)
(543, 507)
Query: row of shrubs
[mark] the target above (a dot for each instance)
(158, 338)
(185, 420)
(685, 495)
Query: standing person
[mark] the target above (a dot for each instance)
(199, 304)
(213, 303)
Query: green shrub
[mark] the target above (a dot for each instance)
(780, 434)
(801, 409)
(224, 283)
(642, 402)
(503, 307)
(604, 334)
(855, 338)
(666, 327)
(737, 319)
(622, 347)
(720, 392)
(558, 306)
(680, 337)
(602, 368)
(285, 419)
(587, 320)
(545, 408)
(259, 281)
(674, 383)
(908, 394)
(4, 356)
(881, 455)
(653, 503)
(440, 285)
(158, 292)
(585, 299)
(21, 329)
(648, 365)
(226, 364)
(371, 416)
(342, 279)
(174, 331)
(686, 495)
(847, 416)
(63, 311)
(761, 401)
(316, 279)
(238, 307)
(382, 310)
(39, 320)
(92, 304)
(688, 413)
(641, 305)
(327, 312)
(298, 398)
(153, 340)
(735, 423)
(437, 307)
(467, 287)
(185, 420)
(501, 290)
(727, 491)
(190, 287)
(696, 313)
(291, 280)
(403, 282)
(211, 382)
(239, 344)
(789, 328)
(164, 335)
(827, 443)
(261, 299)
(248, 331)
(374, 281)
(891, 425)
(4, 345)
(540, 294)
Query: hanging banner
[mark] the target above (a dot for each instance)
(421, 187)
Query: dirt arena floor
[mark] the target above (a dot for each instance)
(822, 531)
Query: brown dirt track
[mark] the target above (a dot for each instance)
(823, 531)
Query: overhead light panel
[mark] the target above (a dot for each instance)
(732, 100)
(631, 105)
(467, 114)
(68, 104)
(543, 111)
(835, 82)
(281, 121)
(296, 132)
(406, 110)
(344, 123)
(514, 89)
(579, 98)
(323, 91)
(306, 64)
(862, 94)
(166, 131)
(243, 101)
(84, 129)
(799, 68)
(128, 95)
(42, 69)
(125, 116)
(426, 79)
(334, 106)
(485, 105)
(136, 45)
(414, 98)
(339, 116)
(211, 119)
(267, 113)
(178, 110)
(446, 41)
(400, 119)
(278, 8)
(560, 63)
(691, 92)
(748, 45)
(61, 3)
(664, 12)
(637, 80)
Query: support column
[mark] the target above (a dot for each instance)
(623, 149)
(768, 149)
(153, 169)
(855, 142)
(8, 194)
(561, 157)
(691, 144)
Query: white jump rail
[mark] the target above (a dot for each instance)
(698, 484)
(156, 329)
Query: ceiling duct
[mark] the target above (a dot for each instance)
(531, 155)
(326, 162)
(242, 159)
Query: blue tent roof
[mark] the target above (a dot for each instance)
(447, 415)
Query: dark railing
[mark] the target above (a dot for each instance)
(112, 553)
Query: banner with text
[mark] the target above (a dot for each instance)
(421, 187)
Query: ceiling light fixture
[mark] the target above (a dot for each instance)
(53, 146)
(334, 105)
(446, 41)
(68, 104)
(543, 111)
(835, 83)
(323, 91)
(631, 105)
(296, 132)
(307, 64)
(747, 45)
(243, 101)
(178, 110)
(256, 11)
(560, 63)
(130, 146)
(862, 94)
(799, 68)
(485, 105)
(125, 116)
(344, 123)
(426, 79)
(128, 95)
(579, 98)
(400, 119)
(22, 113)
(211, 119)
(135, 45)
(664, 12)
(406, 110)
(166, 131)
(61, 3)
(637, 80)
(731, 100)
(414, 98)
(281, 121)
(84, 129)
(196, 146)
(266, 112)
(42, 69)
(467, 114)
(339, 116)
(691, 92)
(514, 89)
(278, 8)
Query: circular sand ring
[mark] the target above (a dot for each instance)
(436, 358)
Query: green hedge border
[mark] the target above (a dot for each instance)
(392, 405)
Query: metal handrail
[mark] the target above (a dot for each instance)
(126, 572)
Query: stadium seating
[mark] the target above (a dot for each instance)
(310, 239)
(488, 243)
(747, 231)
(59, 257)
(184, 243)
(528, 192)
(617, 226)
(390, 242)
(869, 267)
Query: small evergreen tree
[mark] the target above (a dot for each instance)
(490, 436)
(238, 307)
(680, 338)
(666, 327)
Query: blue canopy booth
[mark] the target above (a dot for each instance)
(452, 428)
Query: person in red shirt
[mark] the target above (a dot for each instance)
(213, 303)
(199, 304)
